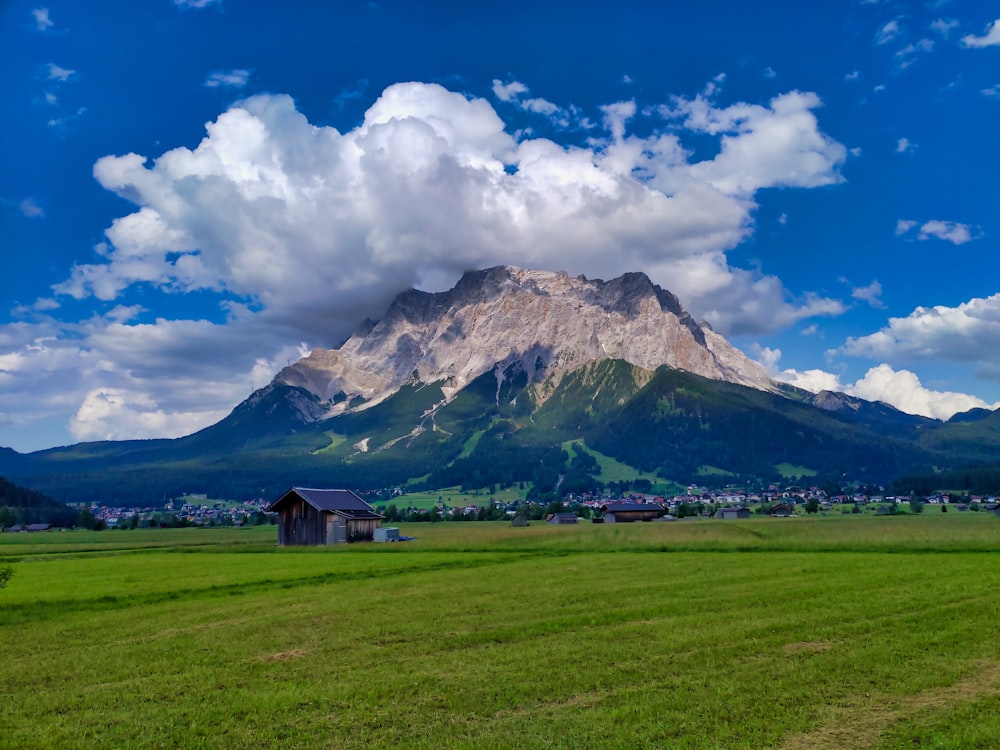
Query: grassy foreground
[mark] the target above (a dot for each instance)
(768, 633)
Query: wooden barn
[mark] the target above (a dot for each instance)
(630, 512)
(311, 516)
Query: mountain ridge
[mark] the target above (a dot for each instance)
(547, 323)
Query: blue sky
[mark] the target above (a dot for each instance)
(195, 193)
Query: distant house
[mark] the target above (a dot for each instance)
(519, 520)
(781, 510)
(314, 516)
(30, 527)
(732, 513)
(630, 512)
(560, 518)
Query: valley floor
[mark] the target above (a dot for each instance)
(764, 633)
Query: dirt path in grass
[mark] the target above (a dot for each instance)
(860, 722)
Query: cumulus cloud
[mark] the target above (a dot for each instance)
(302, 231)
(968, 333)
(273, 209)
(42, 21)
(949, 231)
(236, 78)
(872, 294)
(992, 91)
(899, 388)
(990, 37)
(59, 73)
(905, 146)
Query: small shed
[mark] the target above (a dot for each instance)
(560, 518)
(731, 513)
(781, 510)
(630, 512)
(320, 516)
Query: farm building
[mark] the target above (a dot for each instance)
(560, 518)
(730, 513)
(311, 516)
(781, 510)
(629, 512)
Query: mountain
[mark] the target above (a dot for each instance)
(545, 324)
(520, 376)
(20, 505)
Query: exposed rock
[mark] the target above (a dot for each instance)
(546, 324)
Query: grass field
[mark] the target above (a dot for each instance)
(836, 632)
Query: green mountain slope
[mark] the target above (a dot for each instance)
(502, 429)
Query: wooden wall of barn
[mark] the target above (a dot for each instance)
(300, 523)
(362, 529)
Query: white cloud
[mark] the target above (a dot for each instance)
(992, 92)
(904, 146)
(852, 76)
(967, 333)
(197, 4)
(29, 207)
(879, 88)
(769, 72)
(778, 145)
(888, 32)
(944, 26)
(908, 55)
(902, 389)
(235, 78)
(950, 231)
(616, 116)
(59, 122)
(302, 231)
(899, 388)
(118, 414)
(513, 93)
(423, 179)
(58, 73)
(990, 37)
(871, 294)
(42, 21)
(508, 92)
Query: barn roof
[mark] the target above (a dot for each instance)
(630, 507)
(341, 502)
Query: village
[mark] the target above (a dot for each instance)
(697, 502)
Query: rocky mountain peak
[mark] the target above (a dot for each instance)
(545, 323)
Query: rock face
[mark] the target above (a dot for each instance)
(545, 324)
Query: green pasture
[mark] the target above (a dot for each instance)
(613, 470)
(835, 632)
(454, 497)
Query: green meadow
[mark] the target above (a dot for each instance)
(835, 632)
